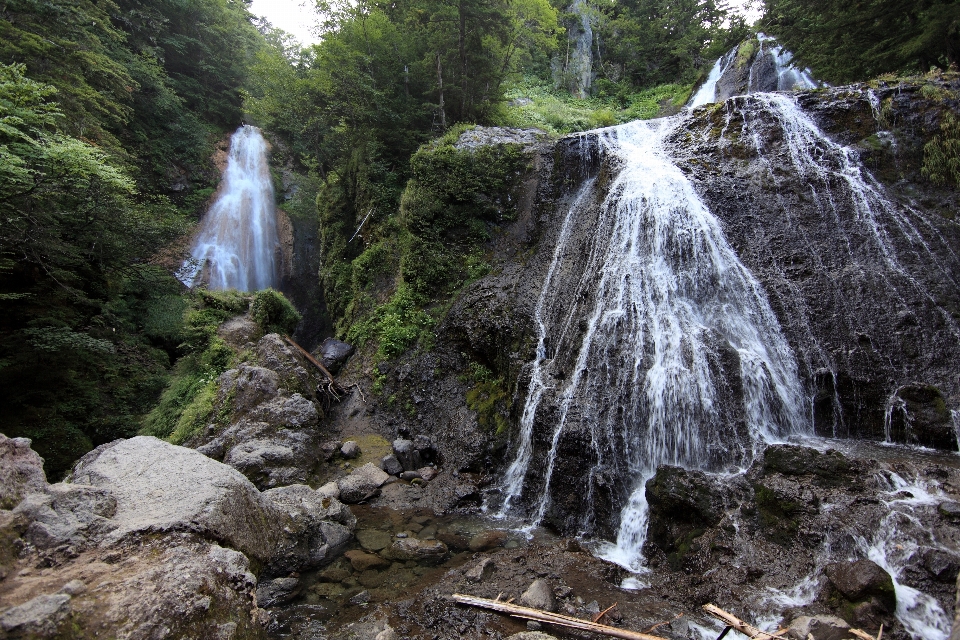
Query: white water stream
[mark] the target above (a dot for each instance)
(236, 246)
(667, 291)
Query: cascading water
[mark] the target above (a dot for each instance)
(784, 75)
(662, 316)
(237, 245)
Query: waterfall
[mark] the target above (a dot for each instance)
(662, 316)
(708, 90)
(236, 246)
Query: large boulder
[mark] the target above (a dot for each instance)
(71, 515)
(861, 581)
(683, 504)
(334, 354)
(160, 487)
(21, 471)
(362, 483)
(318, 530)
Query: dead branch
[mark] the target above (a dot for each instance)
(746, 629)
(863, 635)
(660, 624)
(600, 615)
(556, 619)
(328, 391)
(306, 354)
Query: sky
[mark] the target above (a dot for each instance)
(293, 16)
(298, 16)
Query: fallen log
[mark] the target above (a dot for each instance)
(556, 619)
(309, 356)
(739, 625)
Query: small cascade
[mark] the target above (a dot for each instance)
(707, 93)
(771, 68)
(236, 246)
(662, 316)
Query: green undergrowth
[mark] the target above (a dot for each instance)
(488, 397)
(413, 262)
(187, 404)
(534, 104)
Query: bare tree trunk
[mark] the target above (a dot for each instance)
(443, 114)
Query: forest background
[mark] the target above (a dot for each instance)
(111, 110)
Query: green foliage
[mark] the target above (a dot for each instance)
(941, 156)
(273, 312)
(395, 325)
(848, 41)
(534, 104)
(653, 42)
(488, 398)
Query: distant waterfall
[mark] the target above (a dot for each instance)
(237, 245)
(639, 352)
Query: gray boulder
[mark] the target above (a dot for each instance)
(160, 487)
(75, 515)
(539, 595)
(334, 354)
(272, 593)
(362, 483)
(318, 529)
(247, 386)
(350, 450)
(41, 617)
(391, 465)
(21, 471)
(407, 454)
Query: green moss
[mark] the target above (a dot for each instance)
(745, 53)
(777, 515)
(941, 156)
(195, 415)
(273, 312)
(683, 547)
(488, 398)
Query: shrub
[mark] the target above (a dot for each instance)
(273, 312)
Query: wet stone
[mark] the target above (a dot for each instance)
(361, 561)
(539, 595)
(373, 540)
(419, 550)
(487, 540)
(391, 465)
(333, 574)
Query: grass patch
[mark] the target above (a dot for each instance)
(534, 104)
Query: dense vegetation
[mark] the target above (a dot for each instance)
(108, 117)
(848, 41)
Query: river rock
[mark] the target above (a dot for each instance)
(941, 565)
(479, 571)
(539, 595)
(271, 593)
(317, 530)
(863, 580)
(330, 490)
(427, 473)
(373, 539)
(410, 475)
(350, 450)
(406, 454)
(391, 465)
(334, 354)
(531, 635)
(362, 483)
(361, 560)
(820, 627)
(486, 540)
(949, 510)
(419, 550)
(21, 471)
(41, 617)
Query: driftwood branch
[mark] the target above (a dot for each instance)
(736, 623)
(863, 635)
(556, 619)
(329, 390)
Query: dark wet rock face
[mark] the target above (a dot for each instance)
(334, 354)
(860, 581)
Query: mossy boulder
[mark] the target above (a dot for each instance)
(683, 504)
